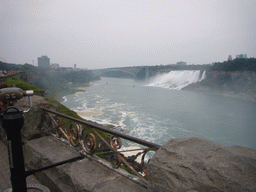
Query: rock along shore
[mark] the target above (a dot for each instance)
(237, 84)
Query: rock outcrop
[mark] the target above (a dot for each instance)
(237, 84)
(32, 119)
(196, 164)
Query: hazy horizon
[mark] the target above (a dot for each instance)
(110, 33)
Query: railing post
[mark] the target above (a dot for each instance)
(12, 122)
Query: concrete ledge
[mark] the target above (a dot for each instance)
(82, 175)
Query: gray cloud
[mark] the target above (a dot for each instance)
(112, 33)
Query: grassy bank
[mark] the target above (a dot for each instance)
(21, 84)
(61, 108)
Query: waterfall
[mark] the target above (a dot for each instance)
(177, 79)
(203, 76)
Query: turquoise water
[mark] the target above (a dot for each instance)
(158, 114)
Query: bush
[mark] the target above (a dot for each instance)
(21, 84)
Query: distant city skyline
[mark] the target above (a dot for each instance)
(43, 61)
(111, 33)
(241, 56)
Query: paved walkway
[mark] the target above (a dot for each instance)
(5, 182)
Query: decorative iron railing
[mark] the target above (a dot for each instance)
(98, 140)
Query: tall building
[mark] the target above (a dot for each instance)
(230, 58)
(241, 56)
(43, 61)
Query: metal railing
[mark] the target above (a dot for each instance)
(95, 139)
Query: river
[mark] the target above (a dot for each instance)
(158, 110)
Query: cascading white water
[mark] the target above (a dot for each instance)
(177, 79)
(203, 76)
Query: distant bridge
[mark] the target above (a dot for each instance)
(129, 72)
(144, 72)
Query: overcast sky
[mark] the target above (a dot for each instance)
(116, 33)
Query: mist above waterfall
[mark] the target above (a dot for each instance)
(177, 79)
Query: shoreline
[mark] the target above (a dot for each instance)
(224, 93)
(72, 91)
(93, 111)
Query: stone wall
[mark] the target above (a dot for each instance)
(33, 119)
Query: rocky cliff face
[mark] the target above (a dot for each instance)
(32, 119)
(240, 84)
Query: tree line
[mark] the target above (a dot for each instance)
(54, 82)
(238, 64)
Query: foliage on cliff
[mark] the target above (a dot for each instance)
(81, 76)
(9, 66)
(21, 84)
(240, 64)
(238, 84)
(63, 109)
(236, 78)
(56, 82)
(52, 84)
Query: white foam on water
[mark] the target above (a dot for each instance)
(89, 113)
(177, 80)
(84, 105)
(64, 99)
(121, 124)
(97, 96)
(78, 99)
(80, 92)
(115, 105)
(106, 121)
(128, 118)
(131, 150)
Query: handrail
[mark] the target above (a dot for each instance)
(88, 142)
(101, 128)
